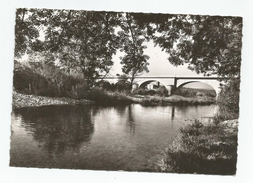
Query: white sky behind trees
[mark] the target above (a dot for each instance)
(159, 65)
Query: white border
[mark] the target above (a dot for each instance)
(214, 7)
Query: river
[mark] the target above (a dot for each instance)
(129, 138)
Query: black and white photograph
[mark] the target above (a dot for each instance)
(126, 91)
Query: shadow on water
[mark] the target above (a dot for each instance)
(58, 128)
(128, 137)
(131, 120)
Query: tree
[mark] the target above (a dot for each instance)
(208, 44)
(132, 39)
(83, 41)
(26, 32)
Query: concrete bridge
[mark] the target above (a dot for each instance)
(173, 83)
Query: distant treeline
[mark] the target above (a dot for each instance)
(192, 92)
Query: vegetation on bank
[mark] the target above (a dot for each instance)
(193, 92)
(48, 81)
(42, 79)
(208, 148)
(203, 149)
(176, 100)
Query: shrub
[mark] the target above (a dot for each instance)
(162, 91)
(151, 102)
(228, 100)
(123, 86)
(201, 149)
(103, 97)
(192, 92)
(104, 84)
(45, 80)
(151, 92)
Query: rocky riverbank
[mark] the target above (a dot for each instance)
(23, 100)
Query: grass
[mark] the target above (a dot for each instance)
(193, 92)
(176, 100)
(103, 97)
(203, 149)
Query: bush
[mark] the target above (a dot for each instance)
(141, 91)
(103, 97)
(193, 92)
(162, 91)
(228, 100)
(151, 92)
(201, 149)
(104, 84)
(46, 80)
(123, 86)
(151, 102)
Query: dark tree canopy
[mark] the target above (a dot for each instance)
(208, 44)
(85, 41)
(132, 38)
(25, 32)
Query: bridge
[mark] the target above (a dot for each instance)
(173, 83)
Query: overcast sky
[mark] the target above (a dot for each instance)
(159, 65)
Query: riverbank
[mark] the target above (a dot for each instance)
(203, 149)
(107, 98)
(103, 97)
(23, 100)
(174, 99)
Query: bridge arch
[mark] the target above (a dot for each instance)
(174, 82)
(215, 85)
(145, 83)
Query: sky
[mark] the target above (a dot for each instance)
(159, 65)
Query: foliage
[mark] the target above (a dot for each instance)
(228, 100)
(25, 32)
(83, 41)
(203, 149)
(104, 84)
(208, 44)
(103, 97)
(132, 38)
(46, 80)
(193, 92)
(162, 91)
(142, 91)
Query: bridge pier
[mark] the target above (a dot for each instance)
(175, 82)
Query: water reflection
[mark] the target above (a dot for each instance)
(130, 120)
(96, 137)
(58, 128)
(172, 113)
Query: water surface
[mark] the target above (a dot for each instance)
(129, 138)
